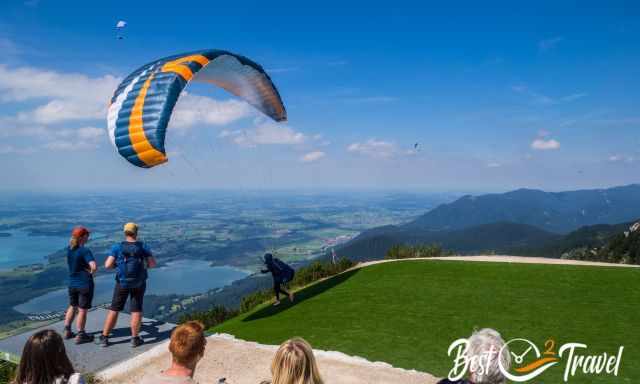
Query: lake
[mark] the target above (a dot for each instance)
(177, 277)
(22, 249)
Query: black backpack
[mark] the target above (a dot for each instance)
(132, 271)
(286, 272)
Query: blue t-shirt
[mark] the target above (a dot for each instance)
(78, 260)
(116, 251)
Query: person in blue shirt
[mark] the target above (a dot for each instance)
(131, 259)
(82, 267)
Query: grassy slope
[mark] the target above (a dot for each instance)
(407, 313)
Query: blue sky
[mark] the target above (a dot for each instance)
(499, 96)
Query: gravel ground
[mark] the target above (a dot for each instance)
(242, 362)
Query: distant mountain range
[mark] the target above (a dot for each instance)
(522, 222)
(559, 212)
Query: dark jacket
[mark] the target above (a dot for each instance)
(277, 273)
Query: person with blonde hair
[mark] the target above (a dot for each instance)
(82, 267)
(294, 363)
(187, 348)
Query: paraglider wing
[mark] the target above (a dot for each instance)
(142, 104)
(119, 28)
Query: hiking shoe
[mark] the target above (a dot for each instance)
(82, 338)
(136, 341)
(103, 341)
(276, 303)
(67, 334)
(291, 297)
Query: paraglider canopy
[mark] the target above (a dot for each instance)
(142, 105)
(119, 27)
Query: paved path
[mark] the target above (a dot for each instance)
(509, 259)
(91, 357)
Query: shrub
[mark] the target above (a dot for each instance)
(414, 251)
(211, 318)
(7, 371)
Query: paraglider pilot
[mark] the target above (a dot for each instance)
(281, 273)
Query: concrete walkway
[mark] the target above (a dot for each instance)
(508, 259)
(91, 357)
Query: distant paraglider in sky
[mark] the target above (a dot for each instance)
(120, 25)
(142, 105)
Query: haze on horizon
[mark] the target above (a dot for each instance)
(498, 96)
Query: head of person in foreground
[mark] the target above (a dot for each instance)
(187, 345)
(294, 363)
(481, 344)
(187, 348)
(44, 360)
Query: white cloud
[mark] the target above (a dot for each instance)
(374, 148)
(11, 150)
(227, 133)
(82, 138)
(57, 111)
(265, 133)
(312, 156)
(494, 164)
(282, 69)
(91, 133)
(64, 96)
(191, 110)
(370, 100)
(63, 145)
(621, 158)
(573, 96)
(121, 24)
(542, 99)
(547, 44)
(32, 83)
(541, 144)
(320, 140)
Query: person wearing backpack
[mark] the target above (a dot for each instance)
(281, 272)
(131, 258)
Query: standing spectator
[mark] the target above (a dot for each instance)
(131, 259)
(82, 267)
(44, 361)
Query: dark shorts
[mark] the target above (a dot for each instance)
(120, 296)
(81, 297)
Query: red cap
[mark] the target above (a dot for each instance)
(79, 231)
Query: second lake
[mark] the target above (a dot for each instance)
(178, 277)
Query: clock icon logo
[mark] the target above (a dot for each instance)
(528, 361)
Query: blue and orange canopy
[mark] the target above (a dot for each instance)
(142, 104)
